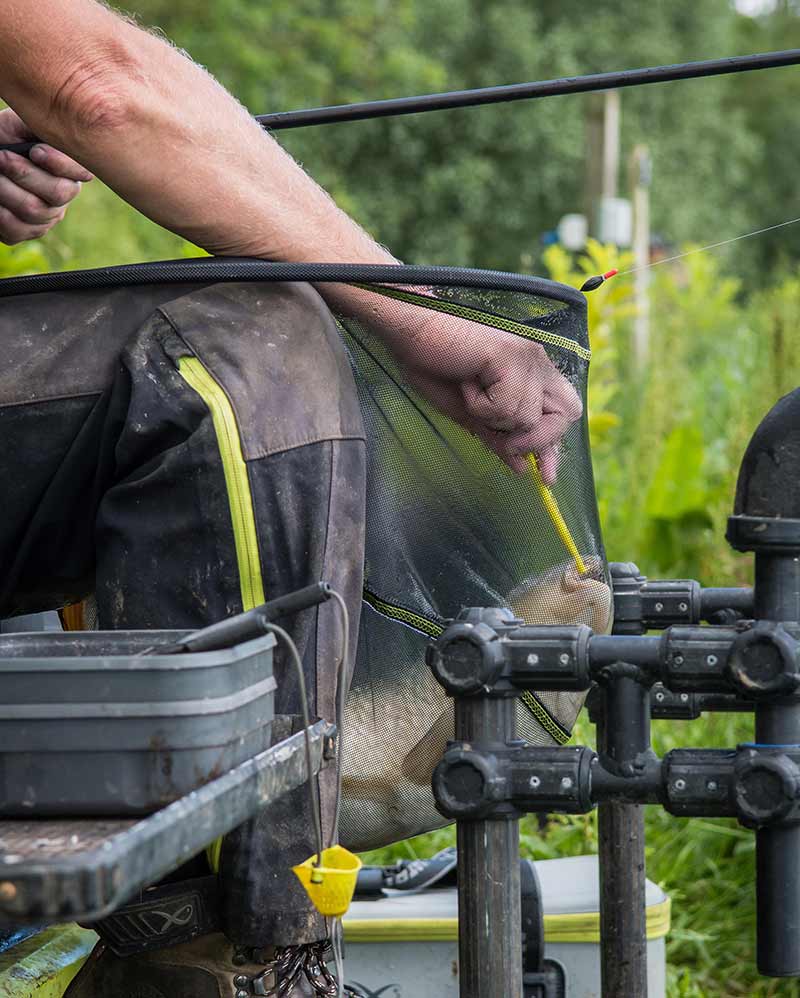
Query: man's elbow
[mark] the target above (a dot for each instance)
(97, 95)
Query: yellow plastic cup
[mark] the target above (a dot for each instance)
(330, 885)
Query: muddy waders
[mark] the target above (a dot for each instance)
(187, 452)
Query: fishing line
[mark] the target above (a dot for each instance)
(592, 283)
(710, 246)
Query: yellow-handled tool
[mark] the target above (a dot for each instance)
(550, 504)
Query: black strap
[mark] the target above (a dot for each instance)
(162, 916)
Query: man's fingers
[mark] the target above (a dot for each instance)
(548, 464)
(28, 208)
(545, 433)
(13, 128)
(59, 164)
(489, 406)
(561, 397)
(13, 230)
(508, 396)
(54, 191)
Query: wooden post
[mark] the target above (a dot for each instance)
(640, 173)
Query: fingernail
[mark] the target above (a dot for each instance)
(38, 154)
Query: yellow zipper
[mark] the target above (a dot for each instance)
(237, 483)
(240, 500)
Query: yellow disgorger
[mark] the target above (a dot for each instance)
(550, 504)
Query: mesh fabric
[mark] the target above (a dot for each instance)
(451, 524)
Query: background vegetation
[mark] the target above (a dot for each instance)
(479, 188)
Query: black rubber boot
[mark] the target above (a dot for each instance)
(209, 967)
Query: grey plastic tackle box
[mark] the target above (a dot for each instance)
(405, 945)
(91, 726)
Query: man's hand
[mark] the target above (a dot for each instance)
(34, 193)
(501, 387)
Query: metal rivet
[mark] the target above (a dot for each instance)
(534, 781)
(711, 785)
(241, 993)
(679, 784)
(678, 660)
(659, 607)
(566, 782)
(241, 981)
(8, 891)
(563, 658)
(711, 659)
(533, 659)
(683, 607)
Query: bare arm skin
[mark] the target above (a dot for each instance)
(171, 141)
(165, 135)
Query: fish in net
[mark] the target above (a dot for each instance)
(454, 519)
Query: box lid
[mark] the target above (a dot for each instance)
(570, 892)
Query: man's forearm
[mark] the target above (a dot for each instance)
(162, 133)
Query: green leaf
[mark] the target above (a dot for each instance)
(679, 489)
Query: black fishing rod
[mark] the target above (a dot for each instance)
(527, 91)
(395, 106)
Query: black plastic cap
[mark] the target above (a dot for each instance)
(769, 478)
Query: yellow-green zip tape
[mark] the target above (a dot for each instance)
(434, 629)
(419, 623)
(240, 499)
(571, 927)
(478, 315)
(542, 715)
(237, 482)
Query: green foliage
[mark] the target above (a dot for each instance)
(27, 258)
(607, 308)
(666, 470)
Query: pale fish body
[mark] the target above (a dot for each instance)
(391, 746)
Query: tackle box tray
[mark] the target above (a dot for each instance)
(91, 726)
(61, 870)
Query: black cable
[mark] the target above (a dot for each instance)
(341, 695)
(311, 783)
(528, 91)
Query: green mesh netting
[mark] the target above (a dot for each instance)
(450, 524)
